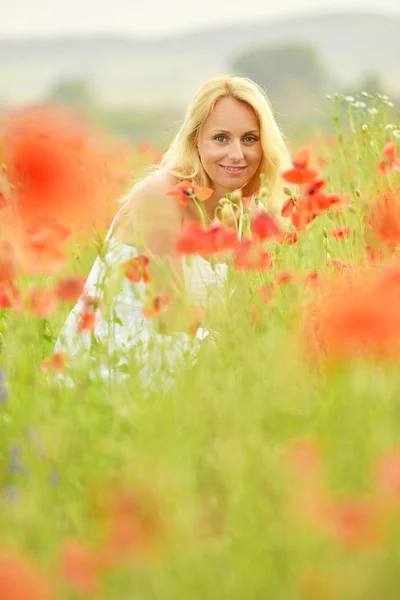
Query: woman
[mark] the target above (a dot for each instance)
(229, 137)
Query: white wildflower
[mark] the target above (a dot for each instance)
(349, 98)
(359, 104)
(396, 133)
(364, 127)
(373, 111)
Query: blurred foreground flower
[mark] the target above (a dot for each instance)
(57, 167)
(20, 580)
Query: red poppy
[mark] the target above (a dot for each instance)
(387, 476)
(358, 316)
(9, 295)
(206, 241)
(264, 294)
(136, 270)
(289, 205)
(285, 277)
(59, 168)
(70, 288)
(264, 226)
(389, 160)
(20, 580)
(9, 266)
(313, 278)
(186, 189)
(249, 256)
(79, 567)
(288, 237)
(156, 304)
(56, 362)
(340, 233)
(374, 253)
(301, 172)
(87, 321)
(41, 301)
(384, 218)
(353, 523)
(133, 525)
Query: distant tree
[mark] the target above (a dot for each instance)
(78, 93)
(293, 75)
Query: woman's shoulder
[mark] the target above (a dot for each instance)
(160, 181)
(147, 200)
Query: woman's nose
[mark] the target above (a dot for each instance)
(235, 151)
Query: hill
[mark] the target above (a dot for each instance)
(166, 71)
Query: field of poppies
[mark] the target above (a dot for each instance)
(271, 466)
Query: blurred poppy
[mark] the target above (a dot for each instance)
(301, 172)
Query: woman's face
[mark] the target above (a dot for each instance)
(229, 145)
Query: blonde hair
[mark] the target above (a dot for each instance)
(183, 161)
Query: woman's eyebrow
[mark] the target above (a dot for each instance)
(226, 131)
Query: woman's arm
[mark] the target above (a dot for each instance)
(151, 222)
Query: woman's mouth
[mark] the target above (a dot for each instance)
(233, 170)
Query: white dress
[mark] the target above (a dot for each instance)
(126, 330)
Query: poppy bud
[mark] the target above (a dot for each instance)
(287, 191)
(236, 197)
(263, 192)
(357, 193)
(325, 232)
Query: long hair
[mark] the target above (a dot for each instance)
(183, 161)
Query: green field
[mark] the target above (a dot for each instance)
(270, 468)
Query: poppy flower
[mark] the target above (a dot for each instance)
(56, 361)
(79, 568)
(41, 301)
(289, 205)
(20, 580)
(288, 237)
(358, 316)
(70, 288)
(384, 218)
(87, 321)
(156, 304)
(285, 277)
(206, 241)
(59, 168)
(387, 475)
(340, 233)
(186, 189)
(248, 256)
(301, 172)
(389, 160)
(136, 270)
(264, 226)
(9, 266)
(264, 295)
(133, 525)
(9, 295)
(354, 523)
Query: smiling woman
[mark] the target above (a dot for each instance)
(228, 138)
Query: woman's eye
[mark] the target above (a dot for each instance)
(218, 137)
(251, 138)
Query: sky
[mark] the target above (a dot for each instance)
(155, 18)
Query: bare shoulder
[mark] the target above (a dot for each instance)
(149, 206)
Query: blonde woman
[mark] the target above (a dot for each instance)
(228, 138)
